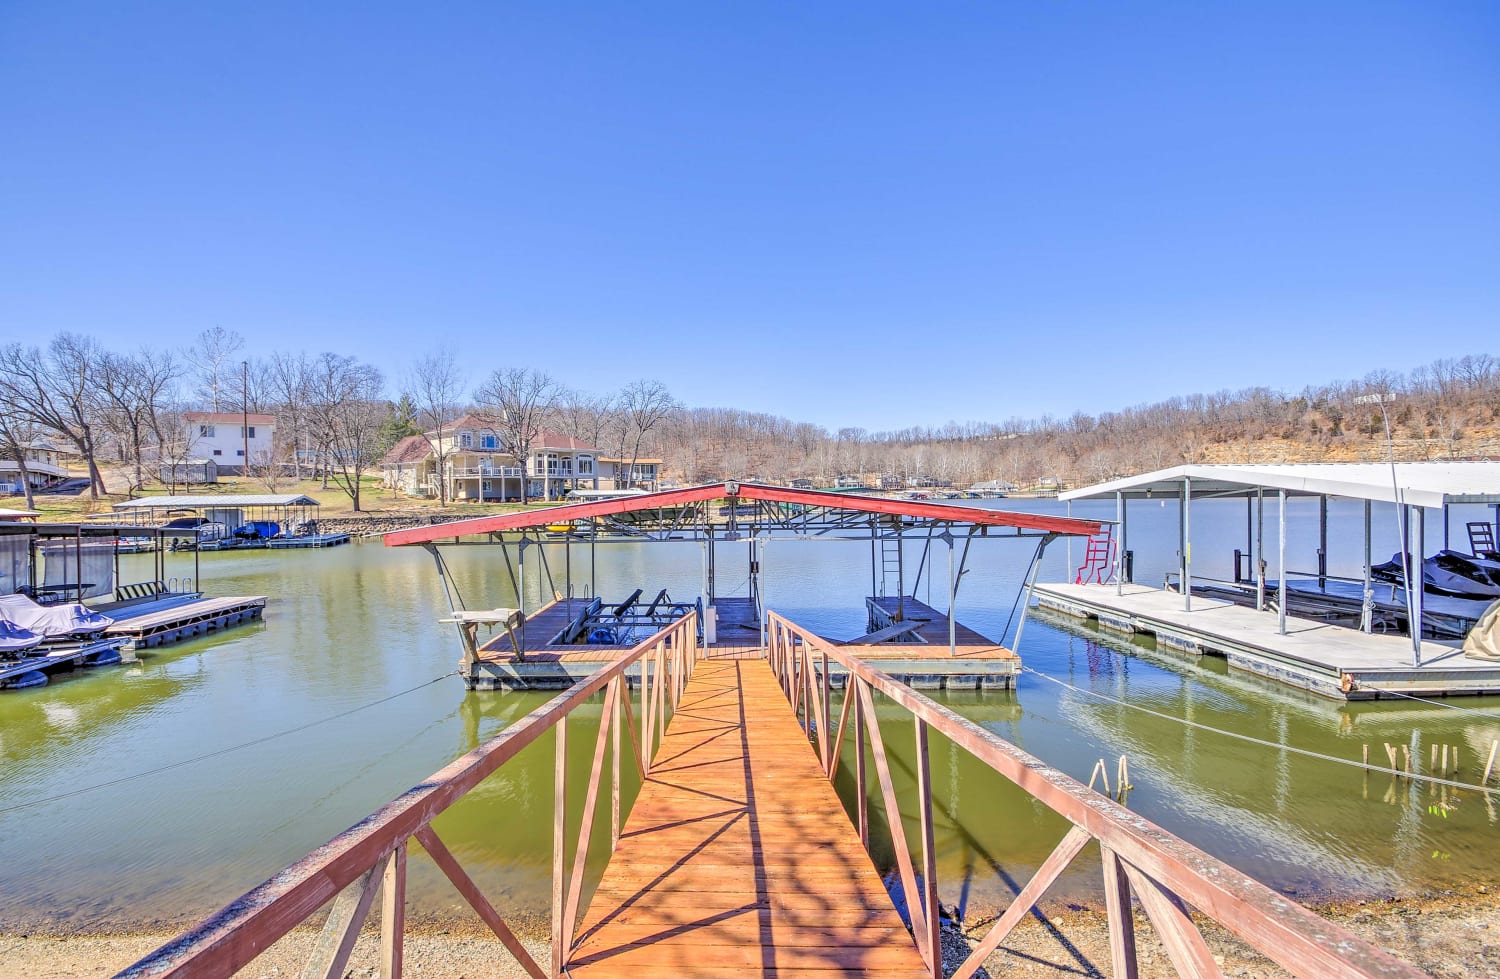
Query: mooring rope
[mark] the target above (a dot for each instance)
(1414, 776)
(222, 751)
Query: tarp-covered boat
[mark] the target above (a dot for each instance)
(70, 621)
(15, 640)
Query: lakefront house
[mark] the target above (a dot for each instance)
(478, 465)
(223, 437)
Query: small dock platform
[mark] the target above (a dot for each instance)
(157, 624)
(1330, 660)
(738, 857)
(925, 661)
(308, 540)
(273, 543)
(15, 673)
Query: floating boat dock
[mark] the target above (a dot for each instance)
(923, 659)
(274, 543)
(152, 625)
(1330, 660)
(15, 673)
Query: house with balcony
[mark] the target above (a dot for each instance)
(478, 466)
(224, 437)
(619, 474)
(44, 465)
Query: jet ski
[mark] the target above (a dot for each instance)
(1447, 573)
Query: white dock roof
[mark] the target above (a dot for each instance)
(1427, 484)
(218, 502)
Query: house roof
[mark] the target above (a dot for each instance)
(413, 448)
(229, 417)
(546, 438)
(1427, 484)
(549, 439)
(469, 420)
(217, 502)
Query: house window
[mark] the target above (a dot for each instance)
(239, 452)
(487, 486)
(247, 433)
(585, 466)
(205, 431)
(218, 452)
(490, 442)
(466, 440)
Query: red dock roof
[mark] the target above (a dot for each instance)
(946, 512)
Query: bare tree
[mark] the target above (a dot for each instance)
(211, 355)
(290, 392)
(268, 467)
(436, 386)
(59, 391)
(136, 387)
(18, 434)
(348, 410)
(643, 405)
(583, 415)
(515, 401)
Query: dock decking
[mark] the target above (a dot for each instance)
(974, 662)
(738, 857)
(159, 626)
(1330, 660)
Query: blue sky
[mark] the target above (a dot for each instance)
(853, 214)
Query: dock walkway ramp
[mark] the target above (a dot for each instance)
(738, 854)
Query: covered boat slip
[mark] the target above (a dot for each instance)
(922, 645)
(52, 574)
(275, 520)
(1310, 629)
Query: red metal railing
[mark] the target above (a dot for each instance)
(370, 857)
(1139, 858)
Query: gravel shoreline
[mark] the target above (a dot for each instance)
(1447, 935)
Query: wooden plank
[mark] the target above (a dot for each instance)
(738, 854)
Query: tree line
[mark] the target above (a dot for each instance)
(336, 417)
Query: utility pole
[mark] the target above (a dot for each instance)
(245, 415)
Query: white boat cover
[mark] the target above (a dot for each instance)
(14, 639)
(1483, 641)
(52, 621)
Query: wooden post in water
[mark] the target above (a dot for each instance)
(1490, 764)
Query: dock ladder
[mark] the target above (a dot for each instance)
(1098, 558)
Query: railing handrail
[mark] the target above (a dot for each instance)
(1283, 930)
(245, 927)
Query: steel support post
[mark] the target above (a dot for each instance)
(1281, 595)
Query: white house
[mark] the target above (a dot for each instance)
(222, 436)
(44, 464)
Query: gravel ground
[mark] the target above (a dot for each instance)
(1448, 936)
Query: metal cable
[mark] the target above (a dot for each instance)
(222, 751)
(1261, 741)
(1439, 703)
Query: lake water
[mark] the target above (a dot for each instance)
(156, 792)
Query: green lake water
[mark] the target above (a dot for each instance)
(153, 793)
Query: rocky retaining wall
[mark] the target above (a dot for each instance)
(377, 524)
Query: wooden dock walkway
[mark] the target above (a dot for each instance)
(738, 857)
